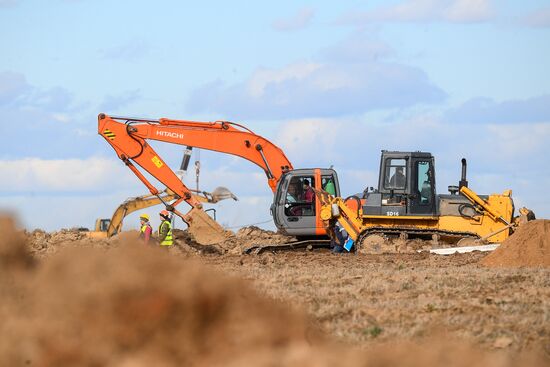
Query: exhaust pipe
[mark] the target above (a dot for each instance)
(463, 180)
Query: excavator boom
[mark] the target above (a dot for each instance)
(128, 137)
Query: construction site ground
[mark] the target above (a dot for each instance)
(430, 308)
(382, 298)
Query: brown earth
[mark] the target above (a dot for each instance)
(97, 302)
(366, 300)
(528, 246)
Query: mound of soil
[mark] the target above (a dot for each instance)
(233, 244)
(41, 243)
(13, 252)
(528, 246)
(252, 235)
(138, 306)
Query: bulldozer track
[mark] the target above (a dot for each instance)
(414, 231)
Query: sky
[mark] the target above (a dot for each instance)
(331, 83)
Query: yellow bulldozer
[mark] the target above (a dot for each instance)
(405, 206)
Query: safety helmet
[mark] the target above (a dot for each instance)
(144, 216)
(165, 213)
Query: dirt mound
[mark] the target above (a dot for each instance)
(13, 252)
(41, 243)
(233, 244)
(139, 306)
(528, 246)
(252, 235)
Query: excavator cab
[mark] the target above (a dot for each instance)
(296, 208)
(101, 225)
(406, 186)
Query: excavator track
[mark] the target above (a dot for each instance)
(291, 246)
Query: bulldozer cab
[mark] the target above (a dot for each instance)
(406, 185)
(296, 208)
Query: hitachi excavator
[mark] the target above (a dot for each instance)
(296, 217)
(404, 204)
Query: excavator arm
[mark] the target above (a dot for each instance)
(131, 205)
(128, 137)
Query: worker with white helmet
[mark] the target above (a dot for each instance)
(165, 229)
(146, 230)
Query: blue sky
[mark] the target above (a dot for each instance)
(332, 83)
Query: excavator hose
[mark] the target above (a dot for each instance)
(129, 132)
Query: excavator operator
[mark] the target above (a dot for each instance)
(165, 229)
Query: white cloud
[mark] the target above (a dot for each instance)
(350, 77)
(113, 103)
(46, 121)
(455, 11)
(63, 175)
(8, 3)
(130, 51)
(13, 87)
(320, 89)
(298, 21)
(52, 212)
(361, 46)
(539, 18)
(263, 77)
(310, 140)
(487, 110)
(520, 139)
(62, 117)
(500, 157)
(53, 194)
(468, 11)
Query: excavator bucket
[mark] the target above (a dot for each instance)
(204, 229)
(221, 193)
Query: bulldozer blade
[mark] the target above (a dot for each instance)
(222, 193)
(204, 229)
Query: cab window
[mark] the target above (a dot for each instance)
(424, 183)
(395, 174)
(300, 197)
(327, 184)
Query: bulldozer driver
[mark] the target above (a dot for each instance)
(146, 230)
(165, 237)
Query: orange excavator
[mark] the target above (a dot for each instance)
(295, 211)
